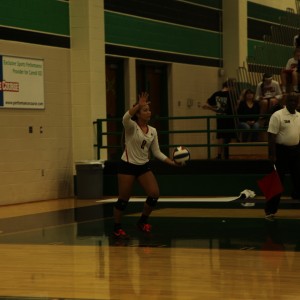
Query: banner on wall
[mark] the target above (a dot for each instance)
(21, 82)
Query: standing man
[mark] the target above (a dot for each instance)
(284, 149)
(221, 103)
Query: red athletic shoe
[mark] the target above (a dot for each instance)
(121, 234)
(145, 227)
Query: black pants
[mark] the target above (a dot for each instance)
(287, 162)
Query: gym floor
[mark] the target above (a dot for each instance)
(199, 248)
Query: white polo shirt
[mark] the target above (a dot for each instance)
(286, 126)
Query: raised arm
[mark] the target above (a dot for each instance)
(143, 100)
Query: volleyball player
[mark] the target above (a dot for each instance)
(140, 138)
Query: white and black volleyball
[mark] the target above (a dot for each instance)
(181, 155)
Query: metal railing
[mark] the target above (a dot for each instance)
(101, 133)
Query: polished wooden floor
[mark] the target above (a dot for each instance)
(63, 249)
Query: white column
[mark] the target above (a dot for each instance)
(235, 44)
(87, 74)
(130, 82)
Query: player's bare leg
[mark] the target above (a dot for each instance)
(149, 184)
(125, 188)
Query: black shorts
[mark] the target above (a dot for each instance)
(226, 123)
(131, 169)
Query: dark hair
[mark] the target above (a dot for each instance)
(134, 117)
(123, 144)
(296, 50)
(292, 97)
(267, 75)
(228, 83)
(248, 91)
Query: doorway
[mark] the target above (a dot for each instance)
(153, 78)
(114, 105)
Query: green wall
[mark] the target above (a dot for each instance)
(144, 33)
(49, 16)
(196, 185)
(265, 13)
(269, 54)
(270, 34)
(209, 3)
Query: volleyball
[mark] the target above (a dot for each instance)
(181, 155)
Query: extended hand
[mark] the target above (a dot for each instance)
(143, 98)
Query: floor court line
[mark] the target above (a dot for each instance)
(177, 199)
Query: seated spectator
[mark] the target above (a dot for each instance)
(291, 69)
(250, 108)
(269, 94)
(296, 41)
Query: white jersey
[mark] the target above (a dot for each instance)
(295, 40)
(268, 91)
(138, 144)
(286, 126)
(291, 64)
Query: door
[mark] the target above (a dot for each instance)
(114, 105)
(152, 78)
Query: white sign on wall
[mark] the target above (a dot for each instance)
(21, 83)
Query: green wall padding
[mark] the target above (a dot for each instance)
(143, 33)
(209, 3)
(49, 16)
(264, 13)
(196, 185)
(269, 54)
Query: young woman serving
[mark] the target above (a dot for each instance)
(140, 138)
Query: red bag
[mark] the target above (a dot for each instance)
(270, 185)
